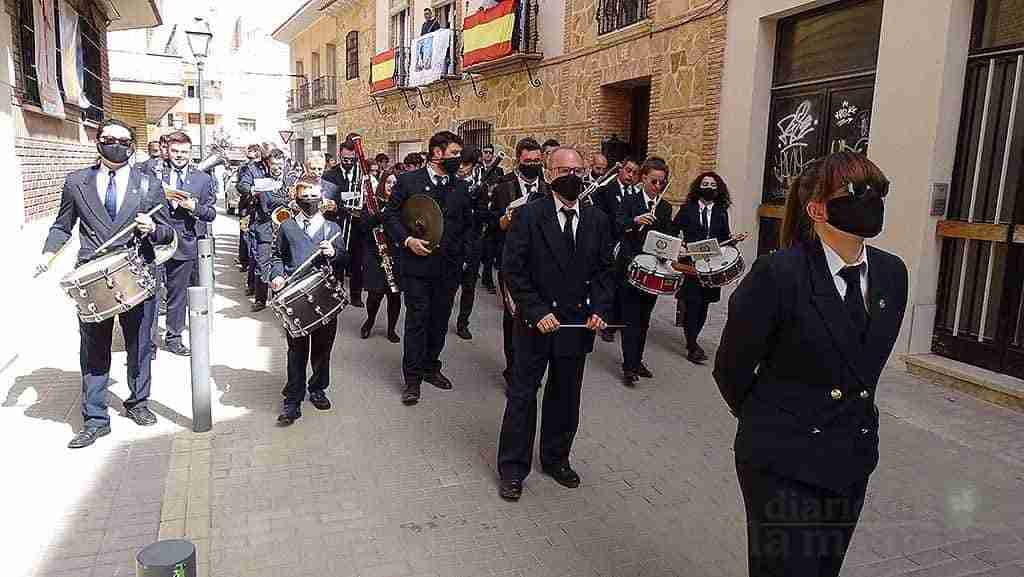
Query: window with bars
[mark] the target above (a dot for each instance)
(615, 15)
(476, 133)
(352, 55)
(27, 31)
(92, 56)
(401, 28)
(247, 125)
(445, 14)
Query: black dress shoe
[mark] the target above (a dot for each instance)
(643, 371)
(393, 337)
(563, 475)
(142, 416)
(179, 349)
(411, 395)
(319, 400)
(438, 380)
(697, 355)
(250, 291)
(629, 379)
(510, 489)
(364, 331)
(88, 436)
(608, 336)
(257, 307)
(288, 416)
(464, 333)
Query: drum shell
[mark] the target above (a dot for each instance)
(647, 275)
(309, 303)
(101, 291)
(721, 276)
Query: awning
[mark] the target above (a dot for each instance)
(131, 14)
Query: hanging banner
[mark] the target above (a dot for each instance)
(487, 34)
(72, 66)
(431, 57)
(46, 59)
(382, 71)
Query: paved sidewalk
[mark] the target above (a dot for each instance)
(376, 489)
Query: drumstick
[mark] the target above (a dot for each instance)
(99, 250)
(307, 262)
(586, 327)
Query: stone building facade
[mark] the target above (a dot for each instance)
(585, 93)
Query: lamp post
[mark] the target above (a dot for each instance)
(199, 37)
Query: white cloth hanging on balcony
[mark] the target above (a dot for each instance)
(431, 57)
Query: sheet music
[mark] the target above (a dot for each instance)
(662, 245)
(266, 185)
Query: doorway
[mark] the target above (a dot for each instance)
(626, 119)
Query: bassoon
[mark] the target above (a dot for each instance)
(380, 239)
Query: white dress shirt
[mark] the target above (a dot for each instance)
(523, 184)
(836, 264)
(121, 177)
(559, 205)
(316, 222)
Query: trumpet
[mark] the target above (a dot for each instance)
(215, 159)
(605, 179)
(278, 217)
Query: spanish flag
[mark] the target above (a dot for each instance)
(382, 71)
(487, 35)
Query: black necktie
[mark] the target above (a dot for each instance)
(441, 180)
(529, 189)
(855, 299)
(570, 238)
(110, 198)
(705, 221)
(181, 179)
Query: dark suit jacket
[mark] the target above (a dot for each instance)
(293, 247)
(191, 225)
(80, 204)
(458, 225)
(430, 26)
(692, 230)
(633, 237)
(790, 367)
(543, 277)
(245, 196)
(505, 191)
(608, 198)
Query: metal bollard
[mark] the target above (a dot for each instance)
(199, 336)
(206, 271)
(169, 558)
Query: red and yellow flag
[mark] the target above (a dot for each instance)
(382, 71)
(487, 35)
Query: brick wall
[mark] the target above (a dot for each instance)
(44, 164)
(131, 109)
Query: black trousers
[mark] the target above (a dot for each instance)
(508, 334)
(428, 307)
(243, 248)
(264, 253)
(373, 301)
(696, 313)
(181, 274)
(560, 412)
(795, 529)
(636, 307)
(94, 360)
(488, 258)
(468, 283)
(357, 254)
(314, 349)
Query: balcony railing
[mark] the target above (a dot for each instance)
(324, 91)
(400, 76)
(525, 41)
(299, 98)
(615, 15)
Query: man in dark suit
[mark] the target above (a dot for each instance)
(638, 215)
(706, 216)
(102, 200)
(158, 155)
(252, 157)
(469, 172)
(189, 217)
(316, 166)
(270, 176)
(526, 181)
(488, 253)
(557, 264)
(348, 180)
(608, 198)
(430, 274)
(809, 331)
(430, 23)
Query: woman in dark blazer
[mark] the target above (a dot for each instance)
(374, 281)
(809, 331)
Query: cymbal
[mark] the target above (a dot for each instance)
(422, 217)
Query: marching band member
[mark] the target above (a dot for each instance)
(102, 200)
(264, 203)
(189, 217)
(307, 233)
(488, 253)
(470, 174)
(598, 166)
(557, 265)
(158, 155)
(809, 331)
(348, 180)
(376, 280)
(608, 198)
(638, 215)
(252, 156)
(316, 166)
(525, 180)
(706, 216)
(430, 274)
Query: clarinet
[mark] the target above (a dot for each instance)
(380, 239)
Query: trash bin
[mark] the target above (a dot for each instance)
(170, 558)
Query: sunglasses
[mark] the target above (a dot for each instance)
(861, 190)
(112, 140)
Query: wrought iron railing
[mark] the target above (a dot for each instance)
(615, 15)
(324, 91)
(299, 98)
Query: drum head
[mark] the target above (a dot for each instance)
(646, 261)
(111, 262)
(301, 286)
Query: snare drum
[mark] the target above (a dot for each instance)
(109, 285)
(719, 271)
(653, 276)
(309, 303)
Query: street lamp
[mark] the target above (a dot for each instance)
(199, 37)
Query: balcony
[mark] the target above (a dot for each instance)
(484, 52)
(324, 91)
(389, 71)
(299, 98)
(615, 15)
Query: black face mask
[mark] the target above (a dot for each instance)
(530, 171)
(451, 165)
(115, 153)
(568, 187)
(348, 163)
(861, 217)
(308, 207)
(709, 194)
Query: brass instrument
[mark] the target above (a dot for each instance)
(215, 159)
(605, 179)
(380, 239)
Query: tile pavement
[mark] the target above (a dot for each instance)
(373, 488)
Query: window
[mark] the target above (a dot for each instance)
(401, 25)
(299, 71)
(614, 15)
(332, 144)
(246, 125)
(998, 24)
(476, 133)
(26, 17)
(300, 150)
(314, 68)
(316, 143)
(828, 42)
(190, 90)
(193, 118)
(91, 59)
(352, 55)
(331, 60)
(56, 36)
(445, 14)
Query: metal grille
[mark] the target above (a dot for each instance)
(352, 55)
(617, 14)
(476, 133)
